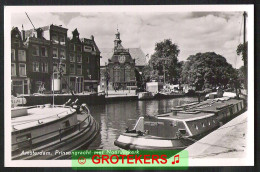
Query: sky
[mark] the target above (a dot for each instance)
(193, 32)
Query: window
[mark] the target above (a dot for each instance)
(79, 58)
(72, 47)
(72, 57)
(35, 50)
(44, 52)
(54, 39)
(45, 67)
(55, 52)
(79, 69)
(63, 68)
(79, 48)
(62, 40)
(87, 48)
(55, 67)
(17, 42)
(116, 74)
(88, 73)
(127, 73)
(87, 58)
(36, 66)
(13, 71)
(62, 54)
(97, 63)
(20, 86)
(22, 140)
(72, 68)
(22, 69)
(21, 55)
(65, 124)
(13, 55)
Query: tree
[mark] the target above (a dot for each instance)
(242, 49)
(164, 58)
(207, 70)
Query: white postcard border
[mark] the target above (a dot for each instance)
(247, 161)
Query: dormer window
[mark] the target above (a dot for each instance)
(87, 48)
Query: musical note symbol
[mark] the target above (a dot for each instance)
(177, 159)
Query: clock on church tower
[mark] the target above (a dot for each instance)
(121, 59)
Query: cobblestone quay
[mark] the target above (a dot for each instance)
(90, 99)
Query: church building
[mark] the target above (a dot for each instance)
(118, 66)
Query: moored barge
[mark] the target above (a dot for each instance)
(182, 126)
(145, 95)
(51, 132)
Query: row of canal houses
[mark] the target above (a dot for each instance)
(37, 53)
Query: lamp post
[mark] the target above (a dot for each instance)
(164, 59)
(106, 80)
(77, 85)
(53, 89)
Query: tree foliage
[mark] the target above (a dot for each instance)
(164, 58)
(207, 70)
(242, 49)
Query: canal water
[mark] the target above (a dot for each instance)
(115, 117)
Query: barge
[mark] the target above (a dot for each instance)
(181, 127)
(51, 131)
(145, 95)
(169, 95)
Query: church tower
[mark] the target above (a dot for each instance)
(117, 41)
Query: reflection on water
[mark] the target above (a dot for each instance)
(114, 118)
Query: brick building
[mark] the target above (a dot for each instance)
(19, 75)
(84, 63)
(91, 64)
(46, 49)
(123, 66)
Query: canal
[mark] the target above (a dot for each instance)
(115, 117)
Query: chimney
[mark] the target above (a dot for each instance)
(23, 34)
(92, 37)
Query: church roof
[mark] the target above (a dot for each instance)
(136, 53)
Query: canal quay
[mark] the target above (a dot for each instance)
(228, 141)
